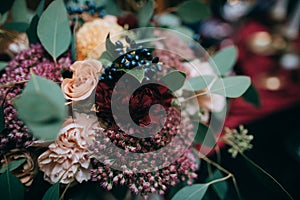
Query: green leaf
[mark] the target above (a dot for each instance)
(174, 189)
(221, 187)
(17, 26)
(225, 59)
(105, 59)
(112, 8)
(42, 107)
(231, 87)
(252, 96)
(53, 29)
(198, 83)
(40, 8)
(32, 30)
(11, 187)
(184, 30)
(174, 80)
(52, 193)
(3, 18)
(20, 12)
(193, 192)
(110, 48)
(204, 136)
(3, 65)
(193, 11)
(6, 5)
(145, 13)
(12, 165)
(73, 42)
(137, 73)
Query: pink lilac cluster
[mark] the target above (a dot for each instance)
(144, 181)
(12, 81)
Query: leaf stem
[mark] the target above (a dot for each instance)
(13, 84)
(269, 175)
(206, 159)
(220, 179)
(67, 187)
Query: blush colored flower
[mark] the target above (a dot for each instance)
(68, 157)
(84, 80)
(94, 33)
(209, 101)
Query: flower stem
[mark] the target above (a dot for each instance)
(269, 175)
(206, 159)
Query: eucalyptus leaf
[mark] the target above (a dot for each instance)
(225, 59)
(17, 26)
(3, 18)
(112, 8)
(198, 83)
(20, 12)
(231, 87)
(137, 73)
(3, 65)
(42, 107)
(204, 136)
(52, 193)
(12, 165)
(110, 48)
(145, 13)
(2, 120)
(252, 96)
(174, 80)
(73, 42)
(184, 30)
(193, 192)
(193, 11)
(221, 188)
(40, 8)
(6, 5)
(174, 189)
(11, 187)
(32, 30)
(105, 59)
(53, 29)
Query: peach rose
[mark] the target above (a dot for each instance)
(68, 157)
(92, 35)
(84, 80)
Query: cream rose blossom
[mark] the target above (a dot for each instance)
(68, 157)
(84, 80)
(212, 102)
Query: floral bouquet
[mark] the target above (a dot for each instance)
(110, 113)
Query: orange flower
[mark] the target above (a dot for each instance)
(84, 80)
(93, 34)
(68, 157)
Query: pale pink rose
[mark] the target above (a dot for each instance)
(210, 101)
(68, 157)
(84, 80)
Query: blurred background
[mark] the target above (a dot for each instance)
(266, 33)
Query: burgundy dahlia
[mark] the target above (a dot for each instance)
(16, 134)
(142, 99)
